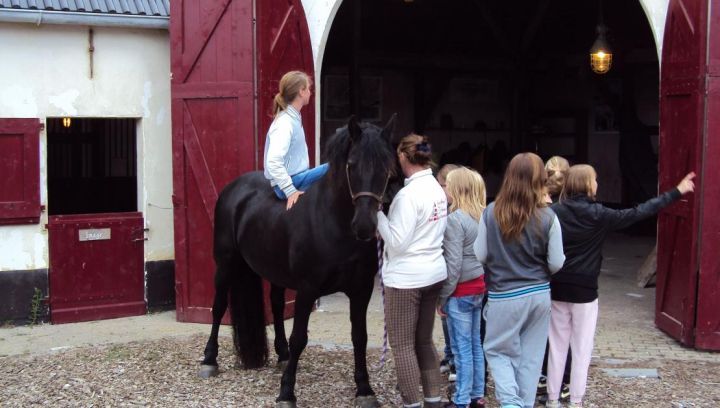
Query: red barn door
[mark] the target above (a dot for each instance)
(218, 123)
(213, 133)
(682, 117)
(707, 331)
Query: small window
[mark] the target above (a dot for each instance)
(91, 165)
(19, 171)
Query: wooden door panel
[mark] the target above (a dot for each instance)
(707, 332)
(213, 132)
(96, 266)
(681, 134)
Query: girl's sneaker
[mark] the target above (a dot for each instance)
(575, 405)
(477, 403)
(445, 365)
(552, 404)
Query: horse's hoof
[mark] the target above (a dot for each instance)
(207, 371)
(285, 404)
(281, 365)
(366, 401)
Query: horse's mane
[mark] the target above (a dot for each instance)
(377, 149)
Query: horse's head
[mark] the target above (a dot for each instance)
(365, 159)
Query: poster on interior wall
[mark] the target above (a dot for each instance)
(336, 98)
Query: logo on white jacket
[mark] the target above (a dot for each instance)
(439, 211)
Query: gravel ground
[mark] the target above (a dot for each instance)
(163, 373)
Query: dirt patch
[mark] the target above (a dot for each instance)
(164, 373)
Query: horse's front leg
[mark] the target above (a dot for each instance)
(364, 397)
(277, 301)
(298, 340)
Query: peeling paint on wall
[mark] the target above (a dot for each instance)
(160, 117)
(22, 248)
(65, 102)
(147, 94)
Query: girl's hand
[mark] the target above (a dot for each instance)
(440, 311)
(687, 185)
(293, 199)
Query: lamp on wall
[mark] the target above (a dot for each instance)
(600, 54)
(66, 122)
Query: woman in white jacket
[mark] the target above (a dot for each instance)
(414, 271)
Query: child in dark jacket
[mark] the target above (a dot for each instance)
(574, 289)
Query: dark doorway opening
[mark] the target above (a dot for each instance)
(485, 80)
(92, 165)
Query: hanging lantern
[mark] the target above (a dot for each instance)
(600, 54)
(66, 122)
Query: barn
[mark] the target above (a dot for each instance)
(482, 79)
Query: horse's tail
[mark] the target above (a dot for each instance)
(247, 311)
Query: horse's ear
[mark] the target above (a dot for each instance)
(354, 128)
(389, 127)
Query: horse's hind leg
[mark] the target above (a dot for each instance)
(277, 300)
(298, 340)
(364, 396)
(209, 367)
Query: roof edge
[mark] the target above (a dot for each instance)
(40, 17)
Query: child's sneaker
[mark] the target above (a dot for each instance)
(564, 393)
(552, 404)
(477, 403)
(542, 385)
(445, 366)
(575, 405)
(452, 376)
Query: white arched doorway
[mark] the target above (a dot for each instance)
(321, 14)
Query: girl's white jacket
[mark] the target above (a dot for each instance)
(413, 234)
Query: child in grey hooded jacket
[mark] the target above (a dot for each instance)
(461, 297)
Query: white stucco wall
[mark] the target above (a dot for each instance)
(45, 73)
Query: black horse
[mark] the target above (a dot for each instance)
(324, 244)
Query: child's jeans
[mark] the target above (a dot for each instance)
(464, 321)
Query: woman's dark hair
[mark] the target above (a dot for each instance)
(417, 149)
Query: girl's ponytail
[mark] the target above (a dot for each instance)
(279, 104)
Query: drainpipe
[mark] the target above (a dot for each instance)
(39, 17)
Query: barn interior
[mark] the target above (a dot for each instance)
(485, 80)
(92, 165)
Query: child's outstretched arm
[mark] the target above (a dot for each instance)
(619, 219)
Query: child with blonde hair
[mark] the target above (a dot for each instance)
(286, 157)
(574, 289)
(462, 294)
(557, 168)
(447, 364)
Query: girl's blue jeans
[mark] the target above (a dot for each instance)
(464, 321)
(304, 179)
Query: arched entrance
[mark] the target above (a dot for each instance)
(484, 80)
